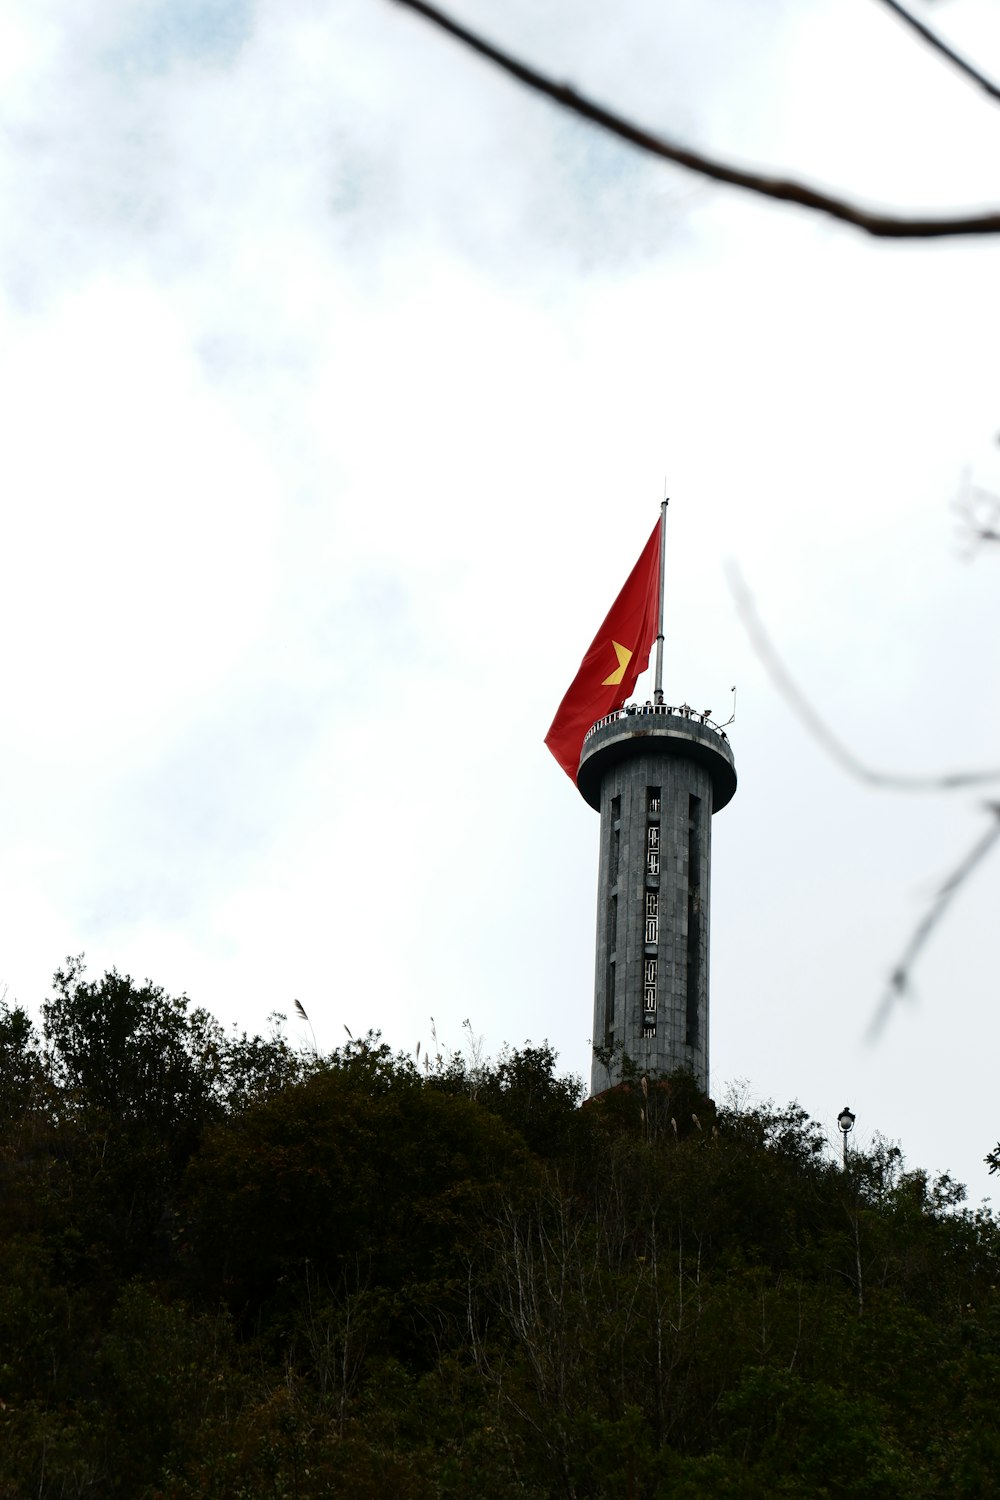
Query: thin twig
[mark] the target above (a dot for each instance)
(785, 190)
(932, 40)
(821, 732)
(899, 981)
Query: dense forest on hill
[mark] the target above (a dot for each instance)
(232, 1269)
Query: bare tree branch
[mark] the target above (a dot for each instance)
(821, 732)
(900, 979)
(938, 45)
(785, 190)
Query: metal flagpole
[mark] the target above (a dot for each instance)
(658, 685)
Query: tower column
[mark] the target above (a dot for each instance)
(656, 777)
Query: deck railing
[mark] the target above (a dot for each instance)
(658, 710)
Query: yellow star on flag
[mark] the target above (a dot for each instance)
(624, 656)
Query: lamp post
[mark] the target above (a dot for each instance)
(846, 1122)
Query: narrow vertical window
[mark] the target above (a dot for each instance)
(609, 978)
(693, 955)
(651, 914)
(611, 923)
(609, 1005)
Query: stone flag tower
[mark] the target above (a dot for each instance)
(656, 775)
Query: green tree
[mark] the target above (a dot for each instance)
(358, 1180)
(22, 1071)
(134, 1054)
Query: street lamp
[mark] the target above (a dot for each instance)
(846, 1122)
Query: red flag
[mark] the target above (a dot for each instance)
(618, 653)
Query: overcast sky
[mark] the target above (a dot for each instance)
(340, 383)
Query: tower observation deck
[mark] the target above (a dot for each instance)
(656, 775)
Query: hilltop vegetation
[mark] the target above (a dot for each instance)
(231, 1269)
